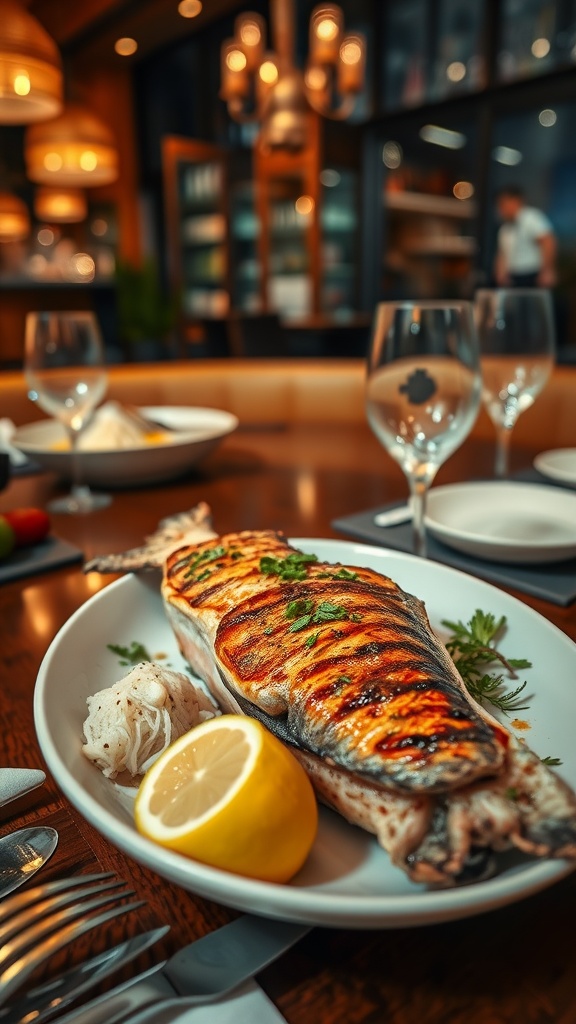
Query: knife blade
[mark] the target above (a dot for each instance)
(239, 950)
(15, 782)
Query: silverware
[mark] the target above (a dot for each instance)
(36, 924)
(51, 997)
(202, 972)
(15, 782)
(23, 853)
(394, 516)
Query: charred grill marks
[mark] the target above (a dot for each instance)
(346, 655)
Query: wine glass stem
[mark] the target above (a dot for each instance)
(79, 490)
(418, 492)
(502, 460)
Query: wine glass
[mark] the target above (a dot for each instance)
(66, 376)
(517, 349)
(423, 389)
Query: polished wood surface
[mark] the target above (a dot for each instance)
(516, 965)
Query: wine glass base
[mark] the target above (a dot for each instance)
(71, 504)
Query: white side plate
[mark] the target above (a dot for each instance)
(558, 464)
(504, 522)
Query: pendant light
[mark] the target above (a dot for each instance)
(30, 68)
(60, 205)
(14, 218)
(75, 149)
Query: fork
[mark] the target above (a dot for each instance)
(37, 923)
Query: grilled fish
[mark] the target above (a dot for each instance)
(343, 666)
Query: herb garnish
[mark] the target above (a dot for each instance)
(472, 648)
(293, 567)
(551, 761)
(305, 614)
(342, 574)
(131, 655)
(198, 562)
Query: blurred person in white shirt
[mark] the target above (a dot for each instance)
(526, 245)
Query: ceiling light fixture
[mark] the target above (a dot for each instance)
(189, 8)
(14, 218)
(267, 87)
(30, 68)
(60, 205)
(125, 46)
(75, 149)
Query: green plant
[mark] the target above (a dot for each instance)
(145, 311)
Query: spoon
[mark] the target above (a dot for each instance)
(22, 853)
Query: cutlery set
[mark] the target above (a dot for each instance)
(36, 923)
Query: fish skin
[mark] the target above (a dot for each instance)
(371, 689)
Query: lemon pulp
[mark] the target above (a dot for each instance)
(229, 794)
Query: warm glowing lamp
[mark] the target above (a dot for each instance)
(14, 218)
(60, 205)
(75, 149)
(30, 68)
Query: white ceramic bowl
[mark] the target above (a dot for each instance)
(197, 431)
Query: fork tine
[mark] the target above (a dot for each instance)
(52, 996)
(13, 977)
(39, 910)
(36, 930)
(23, 899)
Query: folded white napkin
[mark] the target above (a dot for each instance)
(7, 428)
(249, 1003)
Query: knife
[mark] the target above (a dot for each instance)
(237, 951)
(15, 782)
(394, 516)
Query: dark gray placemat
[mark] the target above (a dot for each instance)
(553, 582)
(49, 554)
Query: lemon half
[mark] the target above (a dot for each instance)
(231, 795)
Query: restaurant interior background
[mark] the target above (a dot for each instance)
(210, 242)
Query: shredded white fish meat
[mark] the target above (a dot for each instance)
(130, 723)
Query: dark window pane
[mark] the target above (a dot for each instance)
(528, 38)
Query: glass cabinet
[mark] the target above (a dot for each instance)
(197, 226)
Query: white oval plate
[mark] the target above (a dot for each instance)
(504, 522)
(197, 432)
(558, 464)
(348, 880)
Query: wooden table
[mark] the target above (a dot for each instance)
(515, 965)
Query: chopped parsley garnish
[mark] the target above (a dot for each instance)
(341, 574)
(311, 640)
(293, 567)
(305, 613)
(199, 560)
(131, 655)
(551, 761)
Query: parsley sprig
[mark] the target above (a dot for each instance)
(293, 567)
(306, 613)
(131, 655)
(473, 648)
